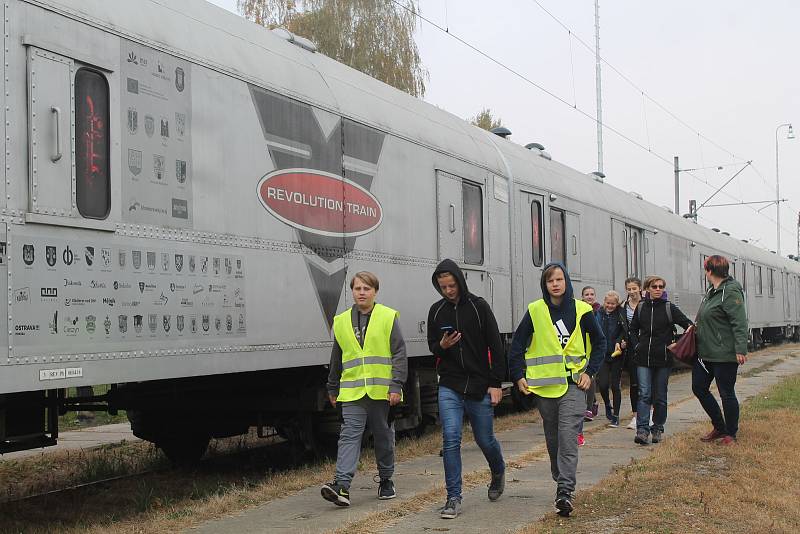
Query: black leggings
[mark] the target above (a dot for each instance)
(634, 380)
(609, 377)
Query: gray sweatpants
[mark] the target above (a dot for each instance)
(356, 415)
(562, 419)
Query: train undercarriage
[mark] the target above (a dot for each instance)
(180, 416)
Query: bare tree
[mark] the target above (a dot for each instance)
(373, 36)
(485, 120)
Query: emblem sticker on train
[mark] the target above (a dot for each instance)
(320, 202)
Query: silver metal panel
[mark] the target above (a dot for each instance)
(52, 125)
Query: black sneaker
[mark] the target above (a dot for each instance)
(656, 436)
(641, 437)
(336, 493)
(563, 504)
(386, 489)
(497, 485)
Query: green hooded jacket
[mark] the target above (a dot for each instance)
(722, 323)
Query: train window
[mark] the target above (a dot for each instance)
(473, 223)
(536, 233)
(558, 251)
(759, 281)
(92, 145)
(772, 282)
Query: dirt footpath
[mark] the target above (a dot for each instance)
(529, 488)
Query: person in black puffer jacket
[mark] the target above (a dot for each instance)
(651, 335)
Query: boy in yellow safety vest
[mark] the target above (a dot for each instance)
(555, 352)
(367, 371)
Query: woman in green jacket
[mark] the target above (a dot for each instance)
(721, 348)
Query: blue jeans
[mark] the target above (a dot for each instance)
(653, 383)
(452, 406)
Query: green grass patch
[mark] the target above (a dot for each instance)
(783, 395)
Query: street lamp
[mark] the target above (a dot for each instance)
(789, 135)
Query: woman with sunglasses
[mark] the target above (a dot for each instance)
(652, 331)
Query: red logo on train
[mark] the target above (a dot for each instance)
(320, 202)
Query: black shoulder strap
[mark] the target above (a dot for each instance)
(669, 313)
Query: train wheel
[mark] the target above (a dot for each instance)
(184, 450)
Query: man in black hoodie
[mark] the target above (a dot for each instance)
(464, 337)
(548, 358)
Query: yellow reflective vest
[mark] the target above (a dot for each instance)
(366, 370)
(548, 365)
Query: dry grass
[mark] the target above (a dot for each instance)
(168, 500)
(690, 486)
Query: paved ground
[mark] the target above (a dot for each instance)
(81, 439)
(529, 488)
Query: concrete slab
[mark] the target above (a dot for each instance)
(529, 488)
(86, 438)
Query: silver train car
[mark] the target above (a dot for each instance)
(186, 194)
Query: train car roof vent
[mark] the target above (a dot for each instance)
(745, 241)
(540, 149)
(302, 42)
(637, 195)
(716, 229)
(667, 209)
(502, 131)
(726, 233)
(598, 176)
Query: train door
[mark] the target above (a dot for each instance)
(619, 239)
(68, 141)
(635, 252)
(461, 220)
(531, 217)
(573, 233)
(650, 253)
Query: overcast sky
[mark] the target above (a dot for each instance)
(725, 68)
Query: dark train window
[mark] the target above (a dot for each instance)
(759, 281)
(92, 145)
(772, 282)
(473, 223)
(558, 251)
(536, 233)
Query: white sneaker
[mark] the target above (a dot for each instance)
(632, 424)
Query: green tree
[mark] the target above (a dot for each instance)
(485, 120)
(373, 36)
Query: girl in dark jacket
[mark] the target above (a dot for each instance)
(651, 334)
(614, 324)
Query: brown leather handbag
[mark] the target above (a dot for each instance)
(685, 349)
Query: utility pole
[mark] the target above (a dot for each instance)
(798, 235)
(599, 86)
(677, 187)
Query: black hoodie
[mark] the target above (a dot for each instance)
(564, 312)
(467, 367)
